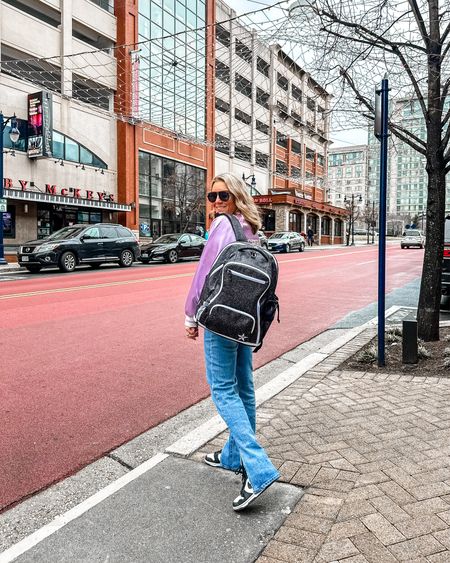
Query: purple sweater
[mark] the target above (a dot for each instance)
(220, 234)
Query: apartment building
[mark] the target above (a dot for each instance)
(272, 128)
(63, 168)
(407, 176)
(348, 173)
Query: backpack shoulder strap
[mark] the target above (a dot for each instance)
(237, 227)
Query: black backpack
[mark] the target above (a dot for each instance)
(238, 298)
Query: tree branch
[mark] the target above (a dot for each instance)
(420, 23)
(380, 42)
(400, 135)
(413, 137)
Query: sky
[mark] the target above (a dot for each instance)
(344, 138)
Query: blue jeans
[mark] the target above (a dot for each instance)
(230, 378)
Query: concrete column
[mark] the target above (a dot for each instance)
(319, 229)
(332, 230)
(66, 47)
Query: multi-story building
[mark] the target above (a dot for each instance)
(348, 173)
(407, 176)
(166, 153)
(63, 168)
(272, 127)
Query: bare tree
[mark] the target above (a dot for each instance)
(353, 44)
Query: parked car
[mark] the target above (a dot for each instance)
(263, 240)
(286, 241)
(172, 247)
(412, 237)
(445, 281)
(80, 244)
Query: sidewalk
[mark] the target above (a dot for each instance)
(365, 465)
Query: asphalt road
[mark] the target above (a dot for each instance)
(93, 359)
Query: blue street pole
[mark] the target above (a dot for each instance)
(2, 249)
(381, 132)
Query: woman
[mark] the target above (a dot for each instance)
(229, 364)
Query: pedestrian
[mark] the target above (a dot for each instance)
(310, 236)
(229, 364)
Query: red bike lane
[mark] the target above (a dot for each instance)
(91, 360)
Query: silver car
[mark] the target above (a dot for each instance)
(412, 237)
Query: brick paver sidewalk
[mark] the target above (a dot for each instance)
(373, 453)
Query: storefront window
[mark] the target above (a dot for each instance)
(9, 222)
(171, 196)
(43, 222)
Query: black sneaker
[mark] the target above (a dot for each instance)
(247, 494)
(213, 459)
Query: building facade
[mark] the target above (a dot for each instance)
(348, 173)
(166, 155)
(63, 169)
(272, 128)
(407, 176)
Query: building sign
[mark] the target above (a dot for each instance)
(77, 193)
(40, 124)
(262, 199)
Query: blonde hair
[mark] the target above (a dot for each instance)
(242, 199)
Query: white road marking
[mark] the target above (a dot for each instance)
(59, 522)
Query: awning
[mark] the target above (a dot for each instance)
(24, 195)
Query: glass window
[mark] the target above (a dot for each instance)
(58, 145)
(72, 150)
(9, 222)
(92, 233)
(309, 154)
(86, 157)
(108, 232)
(95, 217)
(282, 140)
(83, 217)
(296, 147)
(281, 167)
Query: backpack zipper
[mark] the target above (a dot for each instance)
(262, 282)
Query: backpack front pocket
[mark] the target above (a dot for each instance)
(230, 322)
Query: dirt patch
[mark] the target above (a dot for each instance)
(437, 362)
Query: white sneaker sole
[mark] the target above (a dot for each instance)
(248, 501)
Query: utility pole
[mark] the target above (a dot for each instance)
(381, 133)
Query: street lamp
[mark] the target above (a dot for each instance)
(252, 183)
(14, 135)
(351, 227)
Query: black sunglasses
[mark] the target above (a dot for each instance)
(223, 196)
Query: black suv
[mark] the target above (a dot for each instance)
(81, 244)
